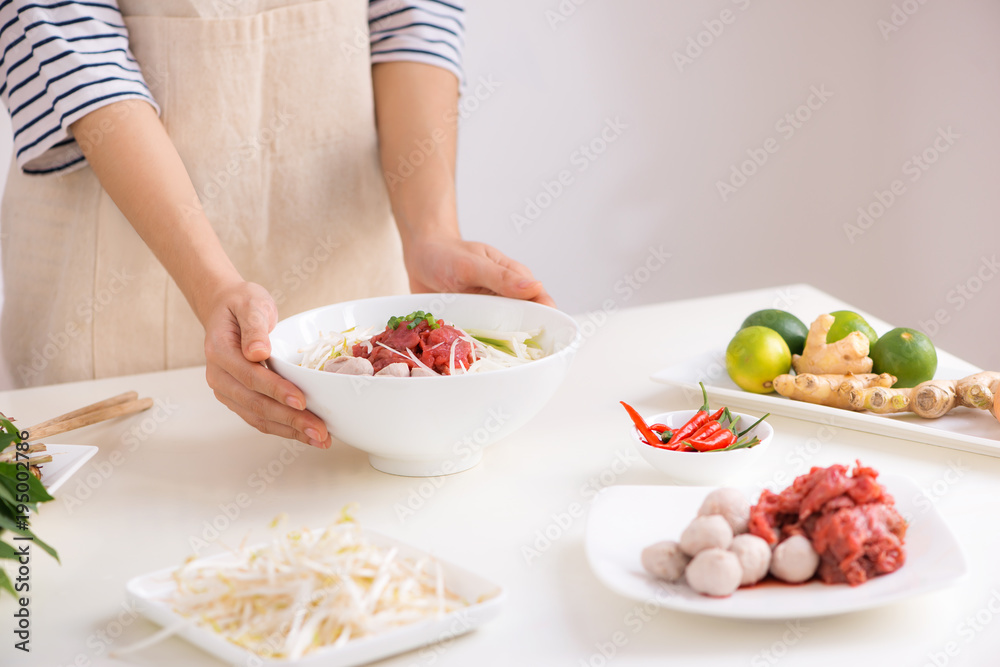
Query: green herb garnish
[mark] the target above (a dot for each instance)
(20, 493)
(414, 319)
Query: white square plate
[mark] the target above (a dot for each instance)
(624, 520)
(149, 592)
(66, 460)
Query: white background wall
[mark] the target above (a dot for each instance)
(559, 72)
(656, 185)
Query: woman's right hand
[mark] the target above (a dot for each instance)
(236, 341)
(139, 167)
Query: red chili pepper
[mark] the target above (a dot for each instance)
(689, 428)
(718, 440)
(699, 419)
(704, 432)
(648, 436)
(708, 429)
(663, 431)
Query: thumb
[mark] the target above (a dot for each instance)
(256, 319)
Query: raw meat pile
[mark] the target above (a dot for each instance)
(849, 518)
(440, 348)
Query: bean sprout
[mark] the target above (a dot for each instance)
(308, 590)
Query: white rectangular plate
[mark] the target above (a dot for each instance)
(149, 591)
(66, 460)
(624, 520)
(963, 428)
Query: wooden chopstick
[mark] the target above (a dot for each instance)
(106, 403)
(10, 452)
(117, 406)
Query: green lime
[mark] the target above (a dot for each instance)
(755, 356)
(787, 325)
(846, 321)
(906, 353)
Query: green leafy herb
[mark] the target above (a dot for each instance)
(414, 319)
(19, 496)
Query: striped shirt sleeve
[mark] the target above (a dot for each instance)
(59, 61)
(424, 31)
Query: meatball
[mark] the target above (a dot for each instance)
(794, 560)
(396, 370)
(715, 572)
(731, 504)
(755, 557)
(705, 532)
(349, 366)
(665, 560)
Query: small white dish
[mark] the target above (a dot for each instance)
(703, 467)
(150, 591)
(624, 520)
(66, 460)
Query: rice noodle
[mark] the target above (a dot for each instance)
(504, 350)
(451, 356)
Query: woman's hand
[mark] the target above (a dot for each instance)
(450, 264)
(236, 342)
(417, 105)
(140, 169)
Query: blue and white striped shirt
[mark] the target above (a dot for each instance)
(60, 60)
(423, 31)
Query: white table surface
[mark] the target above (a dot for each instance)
(147, 496)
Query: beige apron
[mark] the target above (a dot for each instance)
(270, 106)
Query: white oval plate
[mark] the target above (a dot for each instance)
(624, 520)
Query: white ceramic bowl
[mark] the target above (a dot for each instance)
(427, 426)
(703, 468)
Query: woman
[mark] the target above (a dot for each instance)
(135, 245)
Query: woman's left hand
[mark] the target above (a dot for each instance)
(453, 265)
(417, 104)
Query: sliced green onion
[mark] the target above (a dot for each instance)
(414, 319)
(502, 345)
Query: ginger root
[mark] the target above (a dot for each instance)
(934, 398)
(931, 399)
(978, 390)
(851, 381)
(882, 400)
(847, 355)
(996, 405)
(832, 390)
